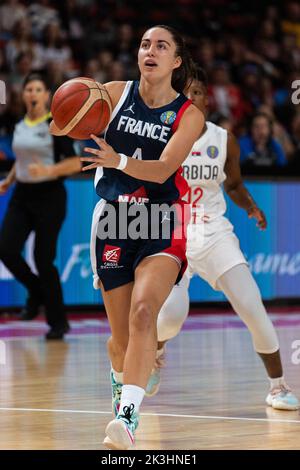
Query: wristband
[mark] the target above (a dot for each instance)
(123, 162)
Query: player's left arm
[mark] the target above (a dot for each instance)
(234, 185)
(173, 155)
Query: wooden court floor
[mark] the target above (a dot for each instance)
(57, 395)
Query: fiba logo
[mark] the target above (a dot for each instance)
(2, 353)
(212, 151)
(296, 94)
(2, 92)
(168, 117)
(296, 354)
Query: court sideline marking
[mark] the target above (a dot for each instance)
(169, 415)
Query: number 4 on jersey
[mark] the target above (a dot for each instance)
(137, 154)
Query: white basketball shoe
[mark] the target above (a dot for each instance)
(282, 398)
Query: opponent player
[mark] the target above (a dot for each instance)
(213, 250)
(152, 129)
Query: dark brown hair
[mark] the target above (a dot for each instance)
(31, 77)
(183, 75)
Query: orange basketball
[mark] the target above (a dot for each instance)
(80, 107)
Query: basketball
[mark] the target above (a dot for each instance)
(80, 107)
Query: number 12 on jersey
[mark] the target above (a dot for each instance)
(193, 197)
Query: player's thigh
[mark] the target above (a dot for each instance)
(155, 277)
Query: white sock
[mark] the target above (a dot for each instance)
(131, 395)
(118, 376)
(275, 383)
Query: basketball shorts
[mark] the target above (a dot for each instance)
(123, 234)
(218, 252)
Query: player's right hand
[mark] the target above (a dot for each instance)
(255, 212)
(4, 186)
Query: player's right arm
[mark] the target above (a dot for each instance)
(115, 90)
(156, 171)
(234, 185)
(8, 181)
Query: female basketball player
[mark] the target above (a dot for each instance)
(154, 123)
(213, 249)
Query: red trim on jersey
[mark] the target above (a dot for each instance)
(179, 236)
(139, 195)
(179, 115)
(181, 183)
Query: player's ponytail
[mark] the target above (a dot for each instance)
(183, 75)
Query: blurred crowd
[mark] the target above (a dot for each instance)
(250, 51)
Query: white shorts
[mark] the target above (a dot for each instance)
(219, 252)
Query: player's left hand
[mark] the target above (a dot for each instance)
(105, 156)
(256, 213)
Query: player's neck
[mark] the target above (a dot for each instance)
(36, 113)
(156, 95)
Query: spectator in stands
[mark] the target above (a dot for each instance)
(22, 69)
(23, 42)
(10, 12)
(206, 55)
(126, 44)
(224, 96)
(279, 132)
(295, 135)
(250, 76)
(291, 22)
(93, 70)
(56, 49)
(41, 13)
(117, 71)
(105, 59)
(56, 75)
(250, 54)
(259, 150)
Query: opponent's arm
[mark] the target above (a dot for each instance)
(234, 185)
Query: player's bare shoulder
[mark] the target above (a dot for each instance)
(192, 118)
(115, 90)
(233, 148)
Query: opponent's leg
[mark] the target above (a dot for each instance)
(241, 290)
(169, 322)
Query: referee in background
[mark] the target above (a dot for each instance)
(38, 204)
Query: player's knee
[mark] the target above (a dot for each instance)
(141, 318)
(169, 322)
(250, 303)
(172, 316)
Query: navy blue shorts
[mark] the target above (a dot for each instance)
(124, 234)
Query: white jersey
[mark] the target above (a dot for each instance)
(204, 171)
(212, 247)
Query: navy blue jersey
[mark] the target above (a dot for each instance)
(141, 132)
